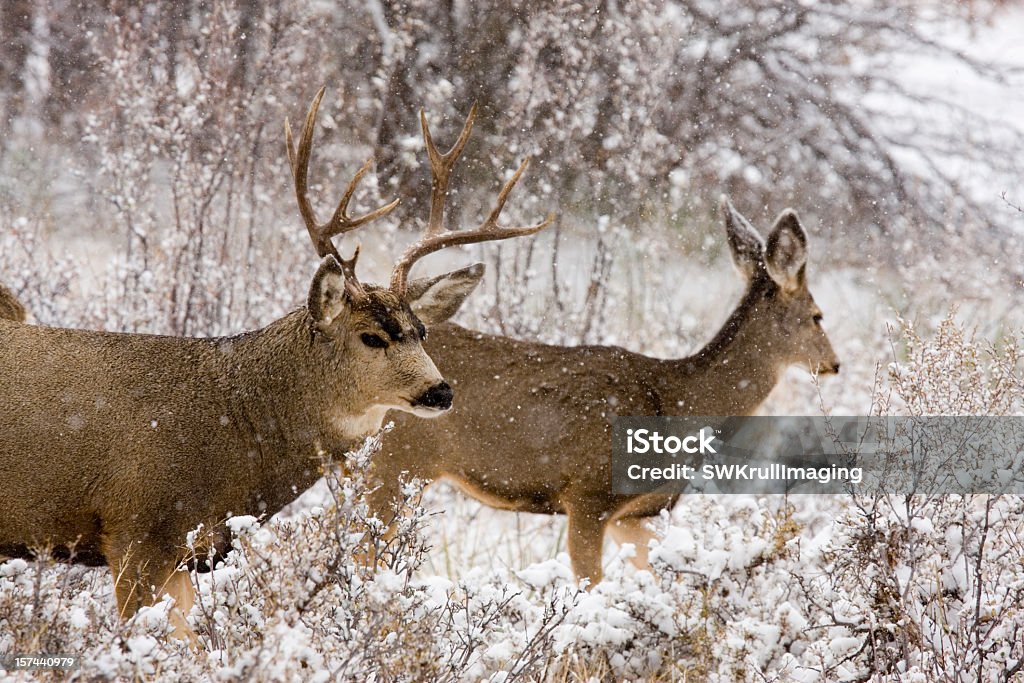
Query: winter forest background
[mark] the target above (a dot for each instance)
(144, 187)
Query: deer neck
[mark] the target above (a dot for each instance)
(282, 389)
(734, 372)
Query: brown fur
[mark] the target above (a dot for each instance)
(531, 430)
(10, 307)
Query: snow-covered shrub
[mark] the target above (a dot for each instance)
(42, 283)
(175, 154)
(298, 599)
(931, 583)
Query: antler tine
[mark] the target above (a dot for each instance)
(489, 230)
(441, 167)
(300, 173)
(340, 222)
(492, 219)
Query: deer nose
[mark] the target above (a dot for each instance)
(438, 396)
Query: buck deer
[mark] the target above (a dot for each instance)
(10, 307)
(532, 431)
(114, 446)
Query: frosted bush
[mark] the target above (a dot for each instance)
(294, 600)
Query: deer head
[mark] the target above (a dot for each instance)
(776, 273)
(381, 329)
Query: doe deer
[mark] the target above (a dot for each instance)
(114, 446)
(532, 431)
(10, 307)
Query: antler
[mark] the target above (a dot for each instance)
(435, 237)
(340, 222)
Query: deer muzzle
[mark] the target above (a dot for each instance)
(438, 397)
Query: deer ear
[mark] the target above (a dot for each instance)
(437, 299)
(786, 253)
(328, 296)
(745, 243)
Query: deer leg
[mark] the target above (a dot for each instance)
(635, 530)
(179, 586)
(142, 575)
(122, 558)
(126, 590)
(586, 538)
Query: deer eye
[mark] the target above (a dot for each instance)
(817, 319)
(373, 341)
